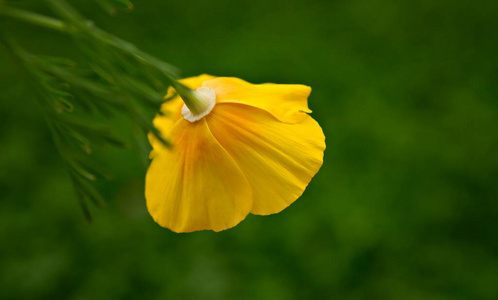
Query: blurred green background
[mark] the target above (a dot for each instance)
(404, 207)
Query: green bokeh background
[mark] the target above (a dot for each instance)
(404, 207)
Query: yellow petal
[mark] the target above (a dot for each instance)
(278, 159)
(196, 185)
(286, 102)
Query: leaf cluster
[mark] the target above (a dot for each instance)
(114, 78)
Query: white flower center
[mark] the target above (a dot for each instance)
(207, 97)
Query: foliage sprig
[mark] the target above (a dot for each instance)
(114, 78)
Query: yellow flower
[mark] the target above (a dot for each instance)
(246, 148)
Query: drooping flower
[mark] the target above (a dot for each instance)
(238, 148)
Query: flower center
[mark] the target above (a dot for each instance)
(206, 99)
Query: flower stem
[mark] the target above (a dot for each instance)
(189, 96)
(33, 18)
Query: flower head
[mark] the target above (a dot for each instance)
(240, 148)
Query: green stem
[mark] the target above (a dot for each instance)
(66, 11)
(33, 18)
(188, 96)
